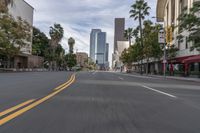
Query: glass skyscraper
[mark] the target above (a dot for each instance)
(93, 43)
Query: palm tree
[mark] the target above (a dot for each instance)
(139, 10)
(56, 33)
(128, 34)
(71, 43)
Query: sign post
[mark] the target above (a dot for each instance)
(161, 40)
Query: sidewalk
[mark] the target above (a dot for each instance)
(5, 70)
(167, 77)
(177, 78)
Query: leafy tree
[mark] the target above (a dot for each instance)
(56, 33)
(71, 60)
(14, 34)
(60, 55)
(171, 52)
(132, 54)
(126, 57)
(151, 48)
(139, 11)
(40, 42)
(191, 23)
(129, 34)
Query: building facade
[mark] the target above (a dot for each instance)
(119, 29)
(25, 59)
(93, 43)
(21, 8)
(81, 59)
(107, 52)
(168, 12)
(101, 49)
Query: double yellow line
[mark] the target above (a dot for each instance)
(30, 104)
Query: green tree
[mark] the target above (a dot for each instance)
(56, 33)
(40, 43)
(128, 34)
(60, 55)
(151, 48)
(139, 11)
(14, 34)
(171, 52)
(71, 60)
(132, 54)
(71, 43)
(126, 57)
(191, 23)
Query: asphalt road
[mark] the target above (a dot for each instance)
(97, 102)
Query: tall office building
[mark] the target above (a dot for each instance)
(118, 38)
(93, 43)
(107, 52)
(101, 49)
(119, 31)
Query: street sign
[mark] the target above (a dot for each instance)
(161, 37)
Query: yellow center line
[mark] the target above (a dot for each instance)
(57, 88)
(16, 107)
(20, 112)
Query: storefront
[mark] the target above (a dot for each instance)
(185, 66)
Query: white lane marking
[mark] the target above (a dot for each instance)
(120, 78)
(161, 92)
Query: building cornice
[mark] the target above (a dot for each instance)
(28, 4)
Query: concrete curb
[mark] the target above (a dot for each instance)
(167, 77)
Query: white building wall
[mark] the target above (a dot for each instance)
(22, 9)
(183, 50)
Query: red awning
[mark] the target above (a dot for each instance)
(192, 59)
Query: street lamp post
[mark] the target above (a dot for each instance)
(161, 40)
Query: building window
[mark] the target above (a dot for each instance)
(167, 15)
(173, 11)
(192, 67)
(186, 43)
(179, 44)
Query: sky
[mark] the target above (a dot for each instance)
(78, 17)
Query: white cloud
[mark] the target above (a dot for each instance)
(78, 17)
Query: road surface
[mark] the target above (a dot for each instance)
(97, 102)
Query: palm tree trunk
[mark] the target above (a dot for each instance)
(147, 67)
(141, 37)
